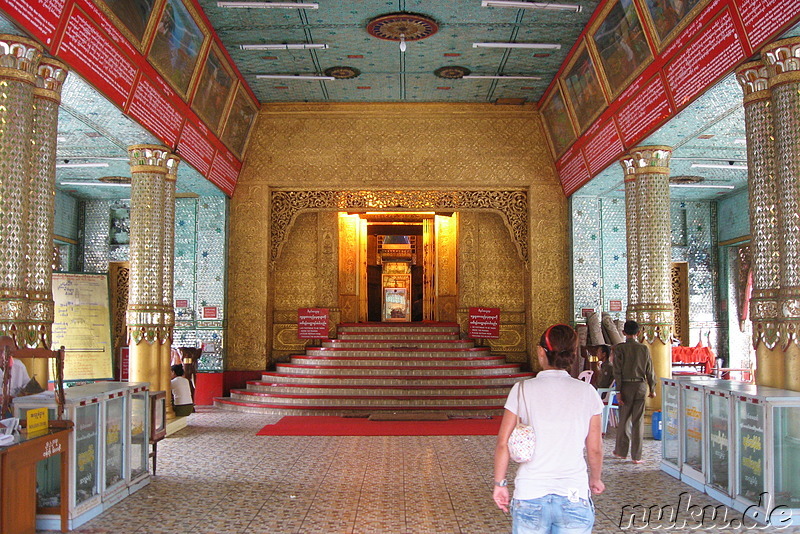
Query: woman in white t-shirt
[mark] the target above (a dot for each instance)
(181, 392)
(553, 490)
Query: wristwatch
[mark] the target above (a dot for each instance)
(503, 483)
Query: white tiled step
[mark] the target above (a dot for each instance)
(396, 371)
(398, 335)
(376, 390)
(399, 344)
(397, 354)
(422, 361)
(366, 400)
(264, 408)
(399, 327)
(367, 381)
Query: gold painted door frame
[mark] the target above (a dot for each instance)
(428, 271)
(680, 301)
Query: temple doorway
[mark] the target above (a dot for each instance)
(399, 257)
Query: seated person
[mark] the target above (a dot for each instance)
(606, 367)
(19, 377)
(181, 394)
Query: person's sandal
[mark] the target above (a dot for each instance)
(638, 461)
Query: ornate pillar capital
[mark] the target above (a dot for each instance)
(149, 158)
(172, 167)
(783, 59)
(753, 77)
(650, 159)
(50, 76)
(19, 57)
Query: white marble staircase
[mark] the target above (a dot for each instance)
(384, 368)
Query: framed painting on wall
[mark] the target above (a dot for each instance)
(583, 89)
(557, 122)
(132, 17)
(239, 122)
(668, 17)
(621, 45)
(177, 44)
(213, 89)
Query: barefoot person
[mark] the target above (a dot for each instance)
(552, 492)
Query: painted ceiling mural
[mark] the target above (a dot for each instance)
(202, 67)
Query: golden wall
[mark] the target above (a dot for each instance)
(492, 274)
(362, 147)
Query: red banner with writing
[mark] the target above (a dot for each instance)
(484, 323)
(312, 323)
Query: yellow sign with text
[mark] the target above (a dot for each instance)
(37, 421)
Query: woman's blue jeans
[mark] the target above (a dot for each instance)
(552, 514)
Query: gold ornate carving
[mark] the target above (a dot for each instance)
(19, 58)
(511, 204)
(389, 154)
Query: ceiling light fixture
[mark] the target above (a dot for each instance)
(702, 186)
(532, 5)
(265, 5)
(291, 46)
(478, 77)
(537, 46)
(402, 42)
(95, 184)
(68, 165)
(730, 165)
(293, 77)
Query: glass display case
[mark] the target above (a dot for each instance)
(101, 465)
(719, 445)
(692, 450)
(766, 439)
(140, 430)
(671, 421)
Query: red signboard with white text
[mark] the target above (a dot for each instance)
(312, 323)
(484, 323)
(92, 37)
(687, 57)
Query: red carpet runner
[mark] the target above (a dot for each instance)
(312, 425)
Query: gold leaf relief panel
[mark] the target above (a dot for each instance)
(296, 271)
(248, 275)
(398, 146)
(327, 260)
(549, 261)
(503, 283)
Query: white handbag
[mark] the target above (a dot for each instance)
(522, 441)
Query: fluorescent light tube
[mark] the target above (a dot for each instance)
(702, 186)
(502, 77)
(265, 5)
(719, 166)
(538, 46)
(291, 46)
(532, 5)
(292, 77)
(95, 184)
(78, 165)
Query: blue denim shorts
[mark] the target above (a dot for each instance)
(552, 514)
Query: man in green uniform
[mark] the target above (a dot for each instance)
(633, 372)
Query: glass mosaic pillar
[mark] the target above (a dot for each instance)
(41, 209)
(145, 313)
(168, 266)
(649, 242)
(764, 198)
(19, 59)
(783, 60)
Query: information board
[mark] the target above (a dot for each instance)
(312, 323)
(484, 323)
(82, 325)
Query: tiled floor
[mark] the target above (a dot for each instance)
(217, 476)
